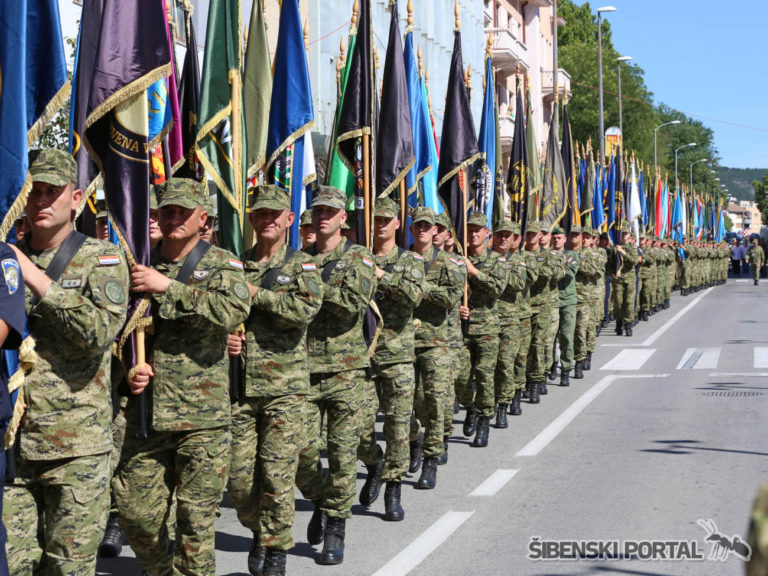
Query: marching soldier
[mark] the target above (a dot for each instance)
(568, 298)
(76, 300)
(756, 260)
(622, 261)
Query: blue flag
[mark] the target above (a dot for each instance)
(598, 210)
(613, 234)
(429, 182)
(33, 85)
(291, 115)
(486, 144)
(643, 201)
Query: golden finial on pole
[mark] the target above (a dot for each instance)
(421, 61)
(343, 49)
(489, 45)
(410, 13)
(377, 58)
(457, 13)
(426, 78)
(517, 69)
(355, 10)
(306, 35)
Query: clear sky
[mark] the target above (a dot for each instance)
(706, 58)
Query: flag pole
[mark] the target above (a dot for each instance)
(237, 135)
(367, 187)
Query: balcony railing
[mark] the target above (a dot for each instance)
(508, 50)
(563, 81)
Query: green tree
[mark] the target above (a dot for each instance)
(761, 196)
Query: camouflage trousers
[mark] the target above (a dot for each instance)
(189, 466)
(55, 513)
(118, 438)
(553, 308)
(434, 372)
(584, 327)
(521, 359)
(396, 385)
(450, 389)
(479, 367)
(623, 298)
(647, 291)
(537, 358)
(267, 433)
(595, 317)
(565, 335)
(504, 375)
(340, 397)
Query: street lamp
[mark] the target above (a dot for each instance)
(691, 170)
(655, 162)
(677, 184)
(619, 60)
(600, 76)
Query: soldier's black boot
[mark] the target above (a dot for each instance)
(618, 327)
(515, 409)
(501, 416)
(552, 371)
(274, 562)
(470, 422)
(578, 370)
(443, 459)
(628, 330)
(112, 543)
(428, 477)
(533, 392)
(333, 545)
(417, 456)
(587, 364)
(564, 380)
(372, 486)
(316, 526)
(543, 388)
(483, 428)
(455, 406)
(256, 556)
(393, 511)
(644, 316)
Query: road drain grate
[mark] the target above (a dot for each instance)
(733, 393)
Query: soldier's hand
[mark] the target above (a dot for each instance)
(464, 312)
(34, 278)
(145, 279)
(471, 270)
(141, 379)
(235, 343)
(379, 273)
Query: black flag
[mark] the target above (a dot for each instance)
(572, 216)
(189, 101)
(517, 178)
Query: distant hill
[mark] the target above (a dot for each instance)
(739, 181)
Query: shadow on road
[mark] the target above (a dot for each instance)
(678, 447)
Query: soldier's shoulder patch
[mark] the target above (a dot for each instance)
(307, 266)
(11, 274)
(398, 268)
(416, 273)
(418, 256)
(502, 259)
(109, 260)
(368, 262)
(200, 274)
(241, 291)
(114, 292)
(313, 287)
(236, 264)
(283, 279)
(366, 285)
(71, 281)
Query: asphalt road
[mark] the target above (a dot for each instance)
(668, 428)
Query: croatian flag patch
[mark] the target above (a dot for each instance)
(109, 260)
(308, 267)
(236, 264)
(368, 263)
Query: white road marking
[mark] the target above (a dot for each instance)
(741, 281)
(630, 359)
(494, 483)
(558, 424)
(415, 553)
(761, 357)
(656, 335)
(699, 359)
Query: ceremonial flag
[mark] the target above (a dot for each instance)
(598, 210)
(588, 204)
(33, 86)
(643, 201)
(720, 234)
(658, 208)
(677, 231)
(356, 123)
(189, 100)
(290, 157)
(554, 200)
(611, 200)
(634, 204)
(220, 122)
(339, 175)
(666, 212)
(484, 178)
(532, 156)
(257, 92)
(519, 176)
(429, 181)
(459, 145)
(573, 216)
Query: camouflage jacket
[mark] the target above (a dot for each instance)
(399, 291)
(67, 392)
(484, 291)
(190, 389)
(566, 286)
(756, 256)
(557, 260)
(589, 273)
(456, 334)
(276, 330)
(648, 265)
(517, 274)
(443, 289)
(540, 291)
(532, 275)
(335, 337)
(626, 272)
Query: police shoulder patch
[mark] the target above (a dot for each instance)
(11, 274)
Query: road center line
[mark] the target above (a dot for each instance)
(415, 553)
(569, 414)
(656, 335)
(494, 483)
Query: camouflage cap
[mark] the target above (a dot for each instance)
(587, 231)
(329, 196)
(385, 208)
(183, 192)
(153, 197)
(52, 166)
(557, 230)
(574, 230)
(477, 219)
(305, 218)
(425, 214)
(623, 227)
(268, 196)
(533, 228)
(516, 228)
(442, 220)
(208, 204)
(505, 226)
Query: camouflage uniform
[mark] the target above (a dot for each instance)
(540, 317)
(524, 312)
(509, 321)
(623, 284)
(587, 300)
(338, 359)
(552, 306)
(568, 300)
(647, 275)
(186, 454)
(399, 292)
(756, 259)
(60, 492)
(482, 340)
(268, 421)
